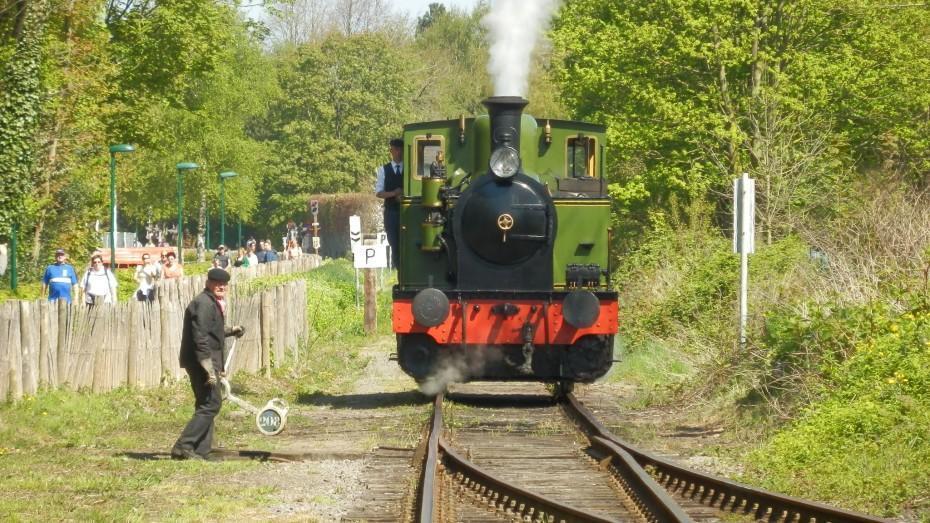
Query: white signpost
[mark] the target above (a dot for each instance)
(355, 241)
(370, 257)
(366, 256)
(315, 226)
(744, 241)
(355, 232)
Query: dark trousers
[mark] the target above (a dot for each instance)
(392, 228)
(198, 434)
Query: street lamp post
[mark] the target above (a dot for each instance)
(223, 176)
(181, 167)
(114, 150)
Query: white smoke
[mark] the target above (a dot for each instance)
(444, 376)
(514, 26)
(459, 368)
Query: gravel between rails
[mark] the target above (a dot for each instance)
(358, 448)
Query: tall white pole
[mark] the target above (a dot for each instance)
(743, 295)
(744, 210)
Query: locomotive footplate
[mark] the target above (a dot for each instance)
(488, 335)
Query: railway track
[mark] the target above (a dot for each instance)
(524, 457)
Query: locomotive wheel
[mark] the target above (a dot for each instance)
(588, 359)
(417, 355)
(563, 388)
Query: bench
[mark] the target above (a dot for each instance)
(132, 256)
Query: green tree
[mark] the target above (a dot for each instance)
(343, 98)
(450, 75)
(20, 110)
(192, 80)
(212, 130)
(434, 13)
(71, 153)
(695, 93)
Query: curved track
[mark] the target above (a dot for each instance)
(517, 457)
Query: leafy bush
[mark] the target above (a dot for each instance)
(860, 444)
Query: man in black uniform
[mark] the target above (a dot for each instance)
(389, 186)
(202, 343)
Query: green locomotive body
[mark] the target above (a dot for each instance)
(502, 265)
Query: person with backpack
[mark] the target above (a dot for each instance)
(98, 284)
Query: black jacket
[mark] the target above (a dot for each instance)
(204, 334)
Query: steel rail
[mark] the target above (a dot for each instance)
(651, 497)
(716, 491)
(427, 498)
(503, 496)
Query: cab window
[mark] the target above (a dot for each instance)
(580, 156)
(426, 150)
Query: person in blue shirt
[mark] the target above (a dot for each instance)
(261, 254)
(270, 254)
(59, 278)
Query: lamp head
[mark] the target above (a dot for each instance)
(186, 166)
(228, 174)
(121, 148)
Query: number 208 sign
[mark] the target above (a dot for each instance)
(272, 418)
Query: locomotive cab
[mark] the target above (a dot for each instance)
(504, 272)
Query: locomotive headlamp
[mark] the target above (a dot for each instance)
(505, 162)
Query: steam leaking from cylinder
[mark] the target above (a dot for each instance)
(514, 26)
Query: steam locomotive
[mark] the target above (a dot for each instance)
(504, 269)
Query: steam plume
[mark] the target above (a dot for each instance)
(514, 26)
(458, 368)
(450, 373)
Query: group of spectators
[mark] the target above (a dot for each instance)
(148, 273)
(254, 253)
(98, 283)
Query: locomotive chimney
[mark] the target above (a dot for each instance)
(505, 113)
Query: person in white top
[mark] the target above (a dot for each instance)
(98, 284)
(293, 250)
(146, 275)
(253, 258)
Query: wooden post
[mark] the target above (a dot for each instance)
(371, 301)
(281, 311)
(75, 353)
(14, 354)
(101, 336)
(136, 364)
(44, 345)
(267, 309)
(6, 347)
(29, 346)
(169, 359)
(64, 340)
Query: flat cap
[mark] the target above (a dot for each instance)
(219, 275)
(59, 251)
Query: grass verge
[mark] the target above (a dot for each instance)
(67, 455)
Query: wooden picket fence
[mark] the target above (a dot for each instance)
(55, 344)
(301, 264)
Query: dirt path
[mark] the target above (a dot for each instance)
(349, 439)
